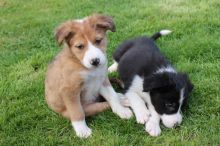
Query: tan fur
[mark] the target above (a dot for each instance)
(63, 84)
(94, 108)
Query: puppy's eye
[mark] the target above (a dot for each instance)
(80, 46)
(98, 41)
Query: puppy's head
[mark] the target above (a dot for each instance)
(86, 38)
(168, 92)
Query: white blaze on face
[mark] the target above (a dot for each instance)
(171, 120)
(93, 53)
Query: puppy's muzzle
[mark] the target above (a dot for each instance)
(171, 121)
(95, 62)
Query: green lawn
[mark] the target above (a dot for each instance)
(27, 45)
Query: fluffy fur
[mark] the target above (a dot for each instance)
(148, 77)
(78, 74)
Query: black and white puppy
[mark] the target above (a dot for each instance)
(148, 77)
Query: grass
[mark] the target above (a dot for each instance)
(27, 45)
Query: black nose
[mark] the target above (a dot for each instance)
(95, 61)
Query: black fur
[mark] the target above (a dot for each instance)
(165, 89)
(141, 56)
(156, 36)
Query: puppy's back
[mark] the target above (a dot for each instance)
(141, 58)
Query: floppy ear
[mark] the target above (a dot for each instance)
(187, 82)
(104, 22)
(64, 32)
(149, 83)
(156, 81)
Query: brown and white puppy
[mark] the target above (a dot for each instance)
(78, 74)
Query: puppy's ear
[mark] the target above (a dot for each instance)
(149, 83)
(156, 81)
(64, 32)
(187, 83)
(104, 22)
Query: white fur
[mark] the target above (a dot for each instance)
(171, 120)
(165, 32)
(166, 69)
(123, 100)
(153, 125)
(92, 53)
(137, 84)
(181, 97)
(138, 105)
(93, 79)
(80, 20)
(113, 67)
(136, 102)
(82, 130)
(111, 96)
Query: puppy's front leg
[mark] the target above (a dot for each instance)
(153, 125)
(76, 114)
(138, 105)
(111, 96)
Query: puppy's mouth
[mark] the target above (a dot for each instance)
(172, 121)
(95, 63)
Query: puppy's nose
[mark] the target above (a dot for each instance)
(95, 61)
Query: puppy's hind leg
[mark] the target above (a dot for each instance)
(95, 108)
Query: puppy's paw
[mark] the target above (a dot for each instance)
(142, 116)
(84, 132)
(123, 100)
(153, 128)
(113, 67)
(81, 129)
(122, 112)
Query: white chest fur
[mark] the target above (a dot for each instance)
(93, 80)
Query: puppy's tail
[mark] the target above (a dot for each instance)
(159, 34)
